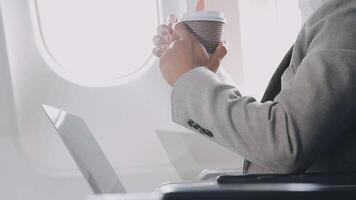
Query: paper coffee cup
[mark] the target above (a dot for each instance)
(206, 26)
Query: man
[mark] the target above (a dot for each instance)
(305, 122)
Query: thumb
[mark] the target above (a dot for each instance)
(200, 5)
(217, 56)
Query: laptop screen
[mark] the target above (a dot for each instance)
(86, 153)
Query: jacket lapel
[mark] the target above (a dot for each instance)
(274, 86)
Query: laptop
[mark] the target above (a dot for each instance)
(86, 152)
(92, 162)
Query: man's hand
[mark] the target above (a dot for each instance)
(187, 53)
(180, 51)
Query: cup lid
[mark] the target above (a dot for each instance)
(203, 16)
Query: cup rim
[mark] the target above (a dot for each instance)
(208, 15)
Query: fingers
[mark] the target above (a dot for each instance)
(200, 5)
(161, 45)
(165, 36)
(162, 40)
(157, 52)
(217, 56)
(172, 19)
(164, 32)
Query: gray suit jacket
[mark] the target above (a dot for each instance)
(309, 125)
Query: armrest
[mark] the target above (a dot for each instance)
(312, 178)
(265, 191)
(265, 186)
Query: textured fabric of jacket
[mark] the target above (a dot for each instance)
(309, 125)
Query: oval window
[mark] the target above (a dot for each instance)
(98, 39)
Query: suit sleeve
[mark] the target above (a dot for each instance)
(287, 134)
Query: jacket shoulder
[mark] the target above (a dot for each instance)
(333, 26)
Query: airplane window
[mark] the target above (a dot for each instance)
(98, 39)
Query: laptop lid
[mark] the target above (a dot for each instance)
(86, 152)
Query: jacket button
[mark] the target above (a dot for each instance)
(196, 126)
(209, 133)
(191, 123)
(202, 131)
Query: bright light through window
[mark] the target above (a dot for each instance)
(268, 30)
(98, 39)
